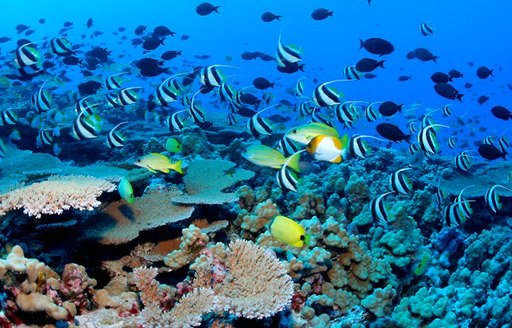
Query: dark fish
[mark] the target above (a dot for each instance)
(206, 8)
(389, 108)
(121, 28)
(392, 132)
(425, 55)
(20, 28)
(269, 17)
(248, 98)
(41, 21)
(152, 43)
(162, 31)
(89, 88)
(139, 30)
(171, 54)
(377, 46)
(71, 60)
(137, 41)
(468, 85)
(370, 76)
(266, 57)
(184, 37)
(291, 68)
(410, 55)
(482, 100)
(29, 32)
(4, 39)
(368, 64)
(321, 13)
(491, 152)
(403, 78)
(455, 74)
(262, 83)
(440, 77)
(501, 112)
(249, 55)
(484, 72)
(48, 64)
(447, 91)
(68, 24)
(89, 23)
(202, 56)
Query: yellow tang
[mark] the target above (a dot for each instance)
(304, 133)
(125, 190)
(158, 162)
(172, 145)
(288, 231)
(262, 155)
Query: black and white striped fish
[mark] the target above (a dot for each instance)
(464, 205)
(258, 126)
(412, 128)
(305, 109)
(42, 100)
(27, 56)
(318, 117)
(195, 111)
(426, 29)
(452, 143)
(503, 143)
(287, 54)
(426, 121)
(45, 137)
(227, 93)
(440, 195)
(427, 139)
(463, 161)
(346, 113)
(174, 122)
(453, 214)
(358, 147)
(287, 146)
(400, 183)
(371, 113)
(8, 117)
(447, 111)
(113, 82)
(113, 100)
(493, 199)
(114, 138)
(378, 208)
(324, 96)
(351, 72)
(414, 148)
(488, 141)
(61, 47)
(211, 76)
(298, 90)
(82, 106)
(285, 177)
(128, 96)
(85, 128)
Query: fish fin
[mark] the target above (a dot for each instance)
(307, 239)
(337, 159)
(151, 169)
(294, 161)
(177, 166)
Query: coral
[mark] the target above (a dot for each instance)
(205, 181)
(257, 285)
(380, 302)
(192, 242)
(55, 195)
(152, 210)
(76, 286)
(259, 218)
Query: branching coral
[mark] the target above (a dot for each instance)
(55, 195)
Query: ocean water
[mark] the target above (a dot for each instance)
(336, 203)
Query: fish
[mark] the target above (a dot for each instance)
(441, 77)
(61, 47)
(125, 190)
(289, 232)
(258, 126)
(304, 133)
(503, 143)
(422, 266)
(370, 113)
(113, 82)
(378, 209)
(298, 90)
(484, 72)
(426, 29)
(8, 117)
(286, 179)
(323, 96)
(425, 55)
(174, 122)
(446, 111)
(287, 54)
(346, 112)
(491, 152)
(414, 148)
(172, 145)
(86, 127)
(212, 76)
(287, 146)
(427, 139)
(501, 112)
(262, 83)
(45, 137)
(305, 109)
(452, 142)
(389, 108)
(42, 100)
(3, 149)
(268, 17)
(492, 199)
(195, 111)
(448, 91)
(114, 139)
(317, 117)
(400, 183)
(358, 147)
(392, 132)
(366, 65)
(266, 156)
(328, 148)
(128, 96)
(412, 127)
(321, 14)
(377, 46)
(453, 214)
(455, 74)
(351, 73)
(206, 8)
(462, 161)
(170, 54)
(157, 162)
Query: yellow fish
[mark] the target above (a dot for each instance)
(288, 231)
(327, 148)
(172, 145)
(262, 155)
(157, 162)
(304, 133)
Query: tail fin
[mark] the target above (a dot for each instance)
(361, 44)
(177, 166)
(407, 137)
(216, 9)
(459, 96)
(381, 63)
